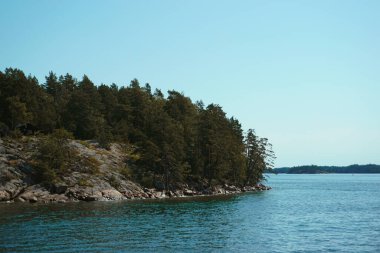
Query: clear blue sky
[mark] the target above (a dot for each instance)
(305, 74)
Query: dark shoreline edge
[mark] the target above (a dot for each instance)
(40, 195)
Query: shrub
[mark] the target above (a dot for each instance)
(114, 182)
(53, 156)
(84, 182)
(91, 165)
(147, 180)
(104, 139)
(4, 129)
(85, 143)
(126, 172)
(16, 134)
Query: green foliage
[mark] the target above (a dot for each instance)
(104, 138)
(114, 182)
(126, 172)
(85, 143)
(260, 157)
(53, 156)
(89, 165)
(17, 111)
(172, 139)
(148, 180)
(4, 129)
(84, 182)
(16, 134)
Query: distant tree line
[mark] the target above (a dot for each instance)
(314, 169)
(174, 139)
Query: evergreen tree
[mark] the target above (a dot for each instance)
(17, 111)
(174, 140)
(260, 157)
(84, 108)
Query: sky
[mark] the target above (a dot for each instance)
(305, 74)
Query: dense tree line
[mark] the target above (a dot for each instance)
(174, 139)
(314, 169)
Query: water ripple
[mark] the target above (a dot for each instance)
(303, 213)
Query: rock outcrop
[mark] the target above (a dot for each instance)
(18, 179)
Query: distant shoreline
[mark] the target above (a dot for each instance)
(314, 169)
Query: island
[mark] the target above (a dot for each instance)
(314, 169)
(70, 140)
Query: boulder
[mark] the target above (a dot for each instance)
(188, 192)
(159, 195)
(179, 193)
(84, 193)
(29, 196)
(128, 194)
(248, 188)
(170, 194)
(219, 190)
(4, 196)
(33, 199)
(94, 196)
(19, 199)
(13, 187)
(231, 188)
(90, 198)
(112, 194)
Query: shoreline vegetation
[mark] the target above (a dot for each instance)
(70, 140)
(314, 169)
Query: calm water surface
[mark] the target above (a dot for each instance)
(303, 213)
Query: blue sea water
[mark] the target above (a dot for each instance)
(302, 213)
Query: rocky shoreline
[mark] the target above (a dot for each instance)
(39, 194)
(17, 183)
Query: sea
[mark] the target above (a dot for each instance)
(302, 213)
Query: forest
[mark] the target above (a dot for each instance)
(172, 138)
